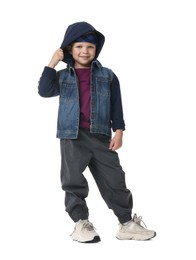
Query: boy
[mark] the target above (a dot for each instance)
(89, 107)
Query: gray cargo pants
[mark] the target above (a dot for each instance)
(92, 150)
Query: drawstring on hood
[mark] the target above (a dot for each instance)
(75, 31)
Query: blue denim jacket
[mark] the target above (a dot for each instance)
(66, 86)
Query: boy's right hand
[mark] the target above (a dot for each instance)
(57, 56)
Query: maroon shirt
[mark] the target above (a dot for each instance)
(83, 75)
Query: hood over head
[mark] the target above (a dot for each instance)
(74, 32)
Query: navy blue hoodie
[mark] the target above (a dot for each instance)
(73, 32)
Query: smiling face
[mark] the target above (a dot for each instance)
(83, 54)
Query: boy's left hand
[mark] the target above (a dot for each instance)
(116, 141)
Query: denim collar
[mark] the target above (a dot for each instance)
(95, 63)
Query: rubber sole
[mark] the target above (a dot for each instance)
(96, 239)
(138, 239)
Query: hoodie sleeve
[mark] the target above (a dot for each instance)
(116, 106)
(48, 83)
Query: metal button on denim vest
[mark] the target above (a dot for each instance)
(69, 108)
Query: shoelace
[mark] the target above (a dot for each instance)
(138, 220)
(89, 226)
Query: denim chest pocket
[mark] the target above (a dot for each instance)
(68, 91)
(103, 86)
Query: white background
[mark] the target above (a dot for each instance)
(150, 45)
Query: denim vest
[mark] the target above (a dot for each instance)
(69, 107)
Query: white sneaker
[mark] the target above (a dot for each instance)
(133, 230)
(84, 232)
